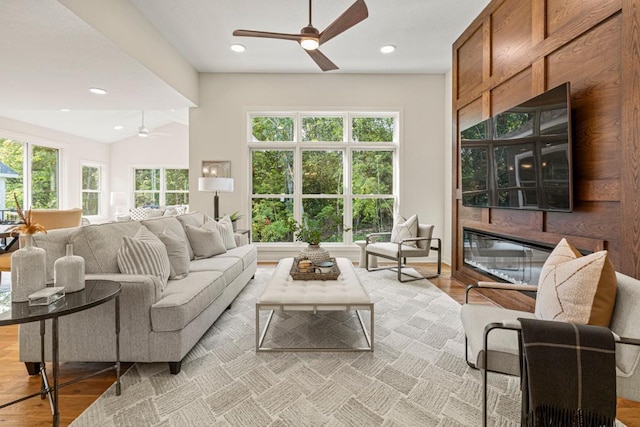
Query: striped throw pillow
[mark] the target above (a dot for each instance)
(224, 227)
(144, 254)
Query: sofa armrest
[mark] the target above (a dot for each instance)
(498, 285)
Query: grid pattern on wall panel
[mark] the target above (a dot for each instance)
(517, 49)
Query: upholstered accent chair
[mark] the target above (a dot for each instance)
(492, 341)
(378, 244)
(50, 219)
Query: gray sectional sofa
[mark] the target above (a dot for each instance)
(157, 325)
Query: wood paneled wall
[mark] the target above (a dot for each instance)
(517, 49)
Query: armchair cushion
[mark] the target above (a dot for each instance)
(405, 229)
(575, 288)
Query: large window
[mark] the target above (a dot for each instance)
(334, 171)
(31, 172)
(161, 186)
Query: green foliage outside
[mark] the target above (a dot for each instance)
(373, 129)
(327, 129)
(90, 198)
(44, 175)
(322, 173)
(148, 187)
(268, 129)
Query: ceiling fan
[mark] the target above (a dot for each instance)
(310, 38)
(142, 131)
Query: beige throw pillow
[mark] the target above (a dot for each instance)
(225, 228)
(575, 288)
(205, 242)
(178, 254)
(405, 229)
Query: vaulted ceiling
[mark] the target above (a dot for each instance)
(147, 53)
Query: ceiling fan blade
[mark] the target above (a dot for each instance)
(356, 13)
(323, 62)
(266, 34)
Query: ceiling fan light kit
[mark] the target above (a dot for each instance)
(310, 38)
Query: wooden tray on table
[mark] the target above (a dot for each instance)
(296, 274)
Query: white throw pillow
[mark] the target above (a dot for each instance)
(405, 229)
(138, 214)
(144, 254)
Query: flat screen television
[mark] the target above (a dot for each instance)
(522, 157)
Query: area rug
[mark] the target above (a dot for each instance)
(417, 375)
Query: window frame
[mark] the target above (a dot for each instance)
(28, 143)
(347, 146)
(99, 191)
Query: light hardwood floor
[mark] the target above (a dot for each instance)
(75, 398)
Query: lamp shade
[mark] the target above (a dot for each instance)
(215, 184)
(118, 198)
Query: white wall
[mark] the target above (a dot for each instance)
(167, 146)
(217, 129)
(73, 151)
(448, 171)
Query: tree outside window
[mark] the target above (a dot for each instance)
(91, 190)
(161, 187)
(40, 188)
(334, 179)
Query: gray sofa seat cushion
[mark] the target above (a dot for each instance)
(247, 253)
(54, 243)
(503, 344)
(183, 300)
(158, 225)
(230, 267)
(98, 244)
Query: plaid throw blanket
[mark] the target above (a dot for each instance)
(568, 375)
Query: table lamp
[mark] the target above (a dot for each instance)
(215, 184)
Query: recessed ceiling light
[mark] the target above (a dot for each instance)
(65, 110)
(97, 90)
(117, 127)
(238, 47)
(387, 48)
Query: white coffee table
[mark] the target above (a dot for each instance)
(344, 294)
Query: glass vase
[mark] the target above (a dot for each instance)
(68, 271)
(28, 270)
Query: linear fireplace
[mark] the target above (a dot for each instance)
(504, 258)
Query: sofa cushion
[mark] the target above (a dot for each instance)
(230, 267)
(178, 254)
(158, 225)
(98, 244)
(247, 253)
(204, 242)
(575, 288)
(144, 254)
(225, 227)
(138, 214)
(183, 300)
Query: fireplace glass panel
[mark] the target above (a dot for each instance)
(504, 259)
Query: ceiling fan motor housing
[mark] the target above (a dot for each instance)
(310, 39)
